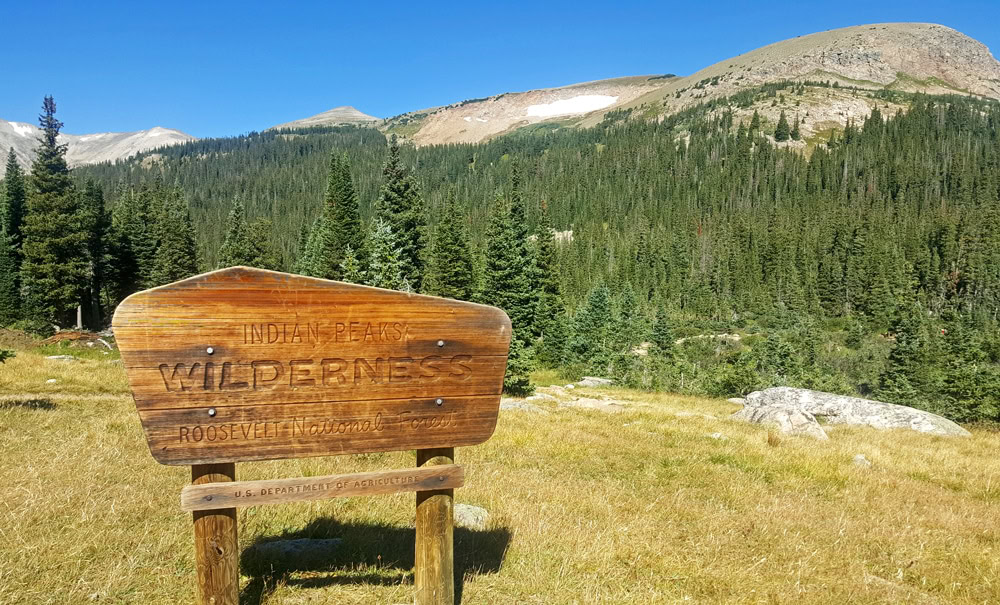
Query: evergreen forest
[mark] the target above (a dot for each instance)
(695, 253)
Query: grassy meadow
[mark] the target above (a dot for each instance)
(641, 506)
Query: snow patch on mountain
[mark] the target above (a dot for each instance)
(24, 130)
(577, 105)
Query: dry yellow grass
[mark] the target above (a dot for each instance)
(586, 507)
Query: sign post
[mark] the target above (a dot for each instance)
(244, 364)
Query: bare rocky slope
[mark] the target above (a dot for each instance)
(913, 57)
(86, 148)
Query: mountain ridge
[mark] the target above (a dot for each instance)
(909, 57)
(86, 148)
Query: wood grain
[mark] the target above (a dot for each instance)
(434, 568)
(260, 348)
(242, 494)
(216, 544)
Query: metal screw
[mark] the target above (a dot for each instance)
(209, 498)
(211, 411)
(210, 350)
(439, 401)
(440, 343)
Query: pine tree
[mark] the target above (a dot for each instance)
(402, 207)
(796, 134)
(14, 205)
(507, 279)
(56, 267)
(385, 269)
(236, 248)
(10, 296)
(782, 130)
(263, 253)
(450, 273)
(176, 256)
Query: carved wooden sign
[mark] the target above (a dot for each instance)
(246, 364)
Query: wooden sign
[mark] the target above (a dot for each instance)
(213, 496)
(246, 364)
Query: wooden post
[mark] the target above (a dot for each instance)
(216, 547)
(434, 568)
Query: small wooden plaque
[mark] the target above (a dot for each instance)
(245, 364)
(233, 494)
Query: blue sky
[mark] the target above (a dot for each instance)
(225, 68)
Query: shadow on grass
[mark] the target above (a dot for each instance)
(387, 549)
(28, 404)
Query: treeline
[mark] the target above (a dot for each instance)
(851, 270)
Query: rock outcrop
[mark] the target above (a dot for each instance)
(788, 421)
(840, 409)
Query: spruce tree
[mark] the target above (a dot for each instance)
(527, 252)
(133, 242)
(236, 248)
(385, 268)
(402, 207)
(553, 345)
(796, 134)
(97, 223)
(350, 269)
(591, 342)
(450, 273)
(662, 337)
(341, 219)
(263, 253)
(14, 201)
(507, 279)
(176, 256)
(10, 296)
(551, 323)
(903, 373)
(517, 378)
(310, 261)
(782, 131)
(56, 267)
(629, 328)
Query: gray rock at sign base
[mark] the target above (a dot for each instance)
(471, 517)
(61, 357)
(593, 381)
(787, 421)
(738, 400)
(860, 460)
(840, 409)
